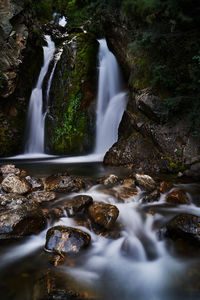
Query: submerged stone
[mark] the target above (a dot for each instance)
(103, 214)
(66, 240)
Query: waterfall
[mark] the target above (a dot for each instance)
(36, 117)
(111, 100)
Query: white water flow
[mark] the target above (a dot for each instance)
(36, 116)
(136, 264)
(111, 100)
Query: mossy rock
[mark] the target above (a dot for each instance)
(70, 123)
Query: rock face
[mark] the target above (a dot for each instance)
(77, 204)
(71, 119)
(147, 141)
(14, 184)
(103, 214)
(19, 217)
(66, 240)
(19, 67)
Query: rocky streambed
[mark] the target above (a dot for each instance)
(111, 237)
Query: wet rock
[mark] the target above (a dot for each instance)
(130, 249)
(103, 214)
(9, 169)
(177, 197)
(108, 180)
(64, 183)
(165, 187)
(126, 190)
(20, 217)
(15, 184)
(53, 213)
(77, 204)
(36, 183)
(184, 226)
(42, 196)
(152, 197)
(11, 201)
(145, 182)
(66, 240)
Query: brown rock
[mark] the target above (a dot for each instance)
(14, 184)
(63, 183)
(9, 169)
(177, 197)
(184, 226)
(145, 182)
(77, 204)
(165, 187)
(42, 196)
(66, 240)
(103, 214)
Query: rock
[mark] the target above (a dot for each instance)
(42, 196)
(145, 182)
(126, 190)
(152, 197)
(66, 240)
(19, 217)
(177, 197)
(194, 171)
(111, 179)
(148, 104)
(14, 184)
(103, 214)
(36, 183)
(64, 183)
(165, 187)
(77, 204)
(53, 213)
(9, 169)
(184, 226)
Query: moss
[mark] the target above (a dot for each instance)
(71, 133)
(142, 76)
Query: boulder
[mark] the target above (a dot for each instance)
(184, 226)
(63, 183)
(145, 182)
(151, 197)
(148, 104)
(103, 214)
(66, 240)
(15, 184)
(19, 217)
(42, 196)
(77, 204)
(177, 197)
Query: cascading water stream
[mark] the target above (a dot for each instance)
(111, 100)
(36, 117)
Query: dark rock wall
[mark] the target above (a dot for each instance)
(20, 61)
(145, 142)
